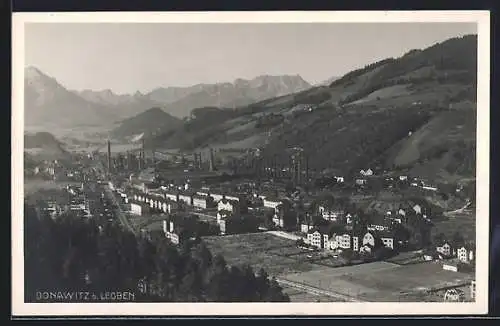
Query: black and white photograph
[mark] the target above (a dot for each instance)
(280, 162)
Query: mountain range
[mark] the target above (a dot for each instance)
(47, 102)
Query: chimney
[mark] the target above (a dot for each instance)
(109, 156)
(212, 165)
(143, 153)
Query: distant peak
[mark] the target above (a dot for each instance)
(32, 71)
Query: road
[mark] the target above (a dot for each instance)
(317, 291)
(117, 212)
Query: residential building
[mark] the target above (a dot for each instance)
(203, 202)
(217, 197)
(227, 208)
(285, 217)
(317, 238)
(465, 254)
(171, 196)
(379, 223)
(360, 182)
(368, 239)
(271, 203)
(473, 289)
(330, 214)
(445, 249)
(186, 198)
(306, 225)
(138, 208)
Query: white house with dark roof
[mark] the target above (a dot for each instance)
(465, 254)
(445, 249)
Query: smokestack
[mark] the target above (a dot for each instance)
(307, 167)
(109, 156)
(199, 162)
(143, 153)
(212, 165)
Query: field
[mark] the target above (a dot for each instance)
(260, 250)
(464, 223)
(381, 281)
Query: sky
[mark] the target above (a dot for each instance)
(131, 57)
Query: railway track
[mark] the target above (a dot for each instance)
(318, 291)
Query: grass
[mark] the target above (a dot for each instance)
(465, 224)
(381, 281)
(259, 250)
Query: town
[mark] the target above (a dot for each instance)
(320, 235)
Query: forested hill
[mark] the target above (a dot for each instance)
(71, 254)
(395, 109)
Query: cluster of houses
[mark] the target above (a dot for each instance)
(456, 258)
(78, 200)
(230, 211)
(332, 227)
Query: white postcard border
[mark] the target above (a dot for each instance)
(19, 308)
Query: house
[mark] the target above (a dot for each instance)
(360, 182)
(203, 202)
(271, 203)
(227, 208)
(445, 249)
(307, 224)
(379, 223)
(217, 197)
(139, 208)
(473, 289)
(368, 239)
(330, 214)
(465, 254)
(346, 241)
(339, 179)
(403, 177)
(171, 196)
(430, 255)
(418, 209)
(318, 238)
(284, 216)
(186, 198)
(368, 172)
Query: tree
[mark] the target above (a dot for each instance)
(439, 239)
(457, 240)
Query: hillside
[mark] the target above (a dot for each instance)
(43, 146)
(125, 105)
(154, 120)
(48, 103)
(237, 94)
(364, 118)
